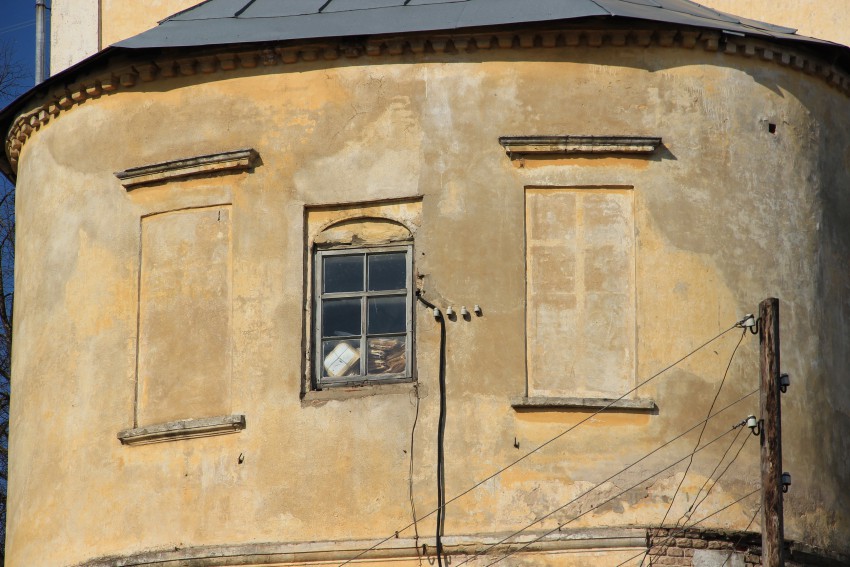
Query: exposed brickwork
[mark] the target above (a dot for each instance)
(677, 546)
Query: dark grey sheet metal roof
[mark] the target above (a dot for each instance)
(217, 22)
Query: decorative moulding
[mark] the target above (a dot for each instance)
(162, 172)
(607, 404)
(183, 429)
(93, 86)
(529, 145)
(399, 549)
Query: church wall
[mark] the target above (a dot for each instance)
(743, 200)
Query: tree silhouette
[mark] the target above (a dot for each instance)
(12, 77)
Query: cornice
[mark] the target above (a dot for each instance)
(165, 68)
(162, 172)
(183, 429)
(571, 144)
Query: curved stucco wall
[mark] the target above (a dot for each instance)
(726, 213)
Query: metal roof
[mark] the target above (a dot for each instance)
(216, 22)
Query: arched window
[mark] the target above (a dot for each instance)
(363, 291)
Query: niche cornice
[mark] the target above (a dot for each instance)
(207, 164)
(182, 429)
(568, 144)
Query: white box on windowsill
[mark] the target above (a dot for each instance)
(341, 359)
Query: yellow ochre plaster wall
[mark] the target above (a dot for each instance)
(823, 19)
(125, 18)
(726, 213)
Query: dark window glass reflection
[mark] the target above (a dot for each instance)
(343, 273)
(387, 271)
(387, 315)
(341, 317)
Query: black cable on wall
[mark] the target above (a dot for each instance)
(441, 432)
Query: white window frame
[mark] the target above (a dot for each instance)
(320, 381)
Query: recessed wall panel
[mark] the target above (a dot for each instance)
(184, 354)
(580, 291)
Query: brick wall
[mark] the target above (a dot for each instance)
(703, 548)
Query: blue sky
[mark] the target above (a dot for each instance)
(17, 27)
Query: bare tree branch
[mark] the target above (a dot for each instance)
(12, 73)
(12, 81)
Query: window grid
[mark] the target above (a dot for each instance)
(363, 376)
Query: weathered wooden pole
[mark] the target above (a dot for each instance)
(772, 530)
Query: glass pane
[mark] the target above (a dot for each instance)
(343, 273)
(340, 358)
(387, 271)
(387, 314)
(341, 317)
(386, 355)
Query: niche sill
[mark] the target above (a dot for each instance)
(545, 403)
(182, 429)
(316, 398)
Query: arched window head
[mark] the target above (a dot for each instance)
(368, 231)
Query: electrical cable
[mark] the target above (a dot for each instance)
(697, 501)
(545, 443)
(16, 27)
(685, 528)
(743, 535)
(701, 433)
(716, 480)
(600, 483)
(441, 438)
(595, 507)
(410, 474)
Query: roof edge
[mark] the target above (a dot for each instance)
(124, 66)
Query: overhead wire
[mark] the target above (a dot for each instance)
(16, 27)
(513, 463)
(716, 480)
(702, 432)
(597, 506)
(410, 473)
(683, 529)
(740, 539)
(618, 473)
(697, 501)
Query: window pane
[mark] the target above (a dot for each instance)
(386, 355)
(340, 358)
(387, 271)
(387, 314)
(343, 273)
(341, 317)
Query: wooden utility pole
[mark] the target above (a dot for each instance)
(772, 530)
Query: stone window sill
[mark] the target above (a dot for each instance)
(183, 429)
(340, 393)
(544, 403)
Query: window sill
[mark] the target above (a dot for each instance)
(183, 429)
(340, 392)
(543, 403)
